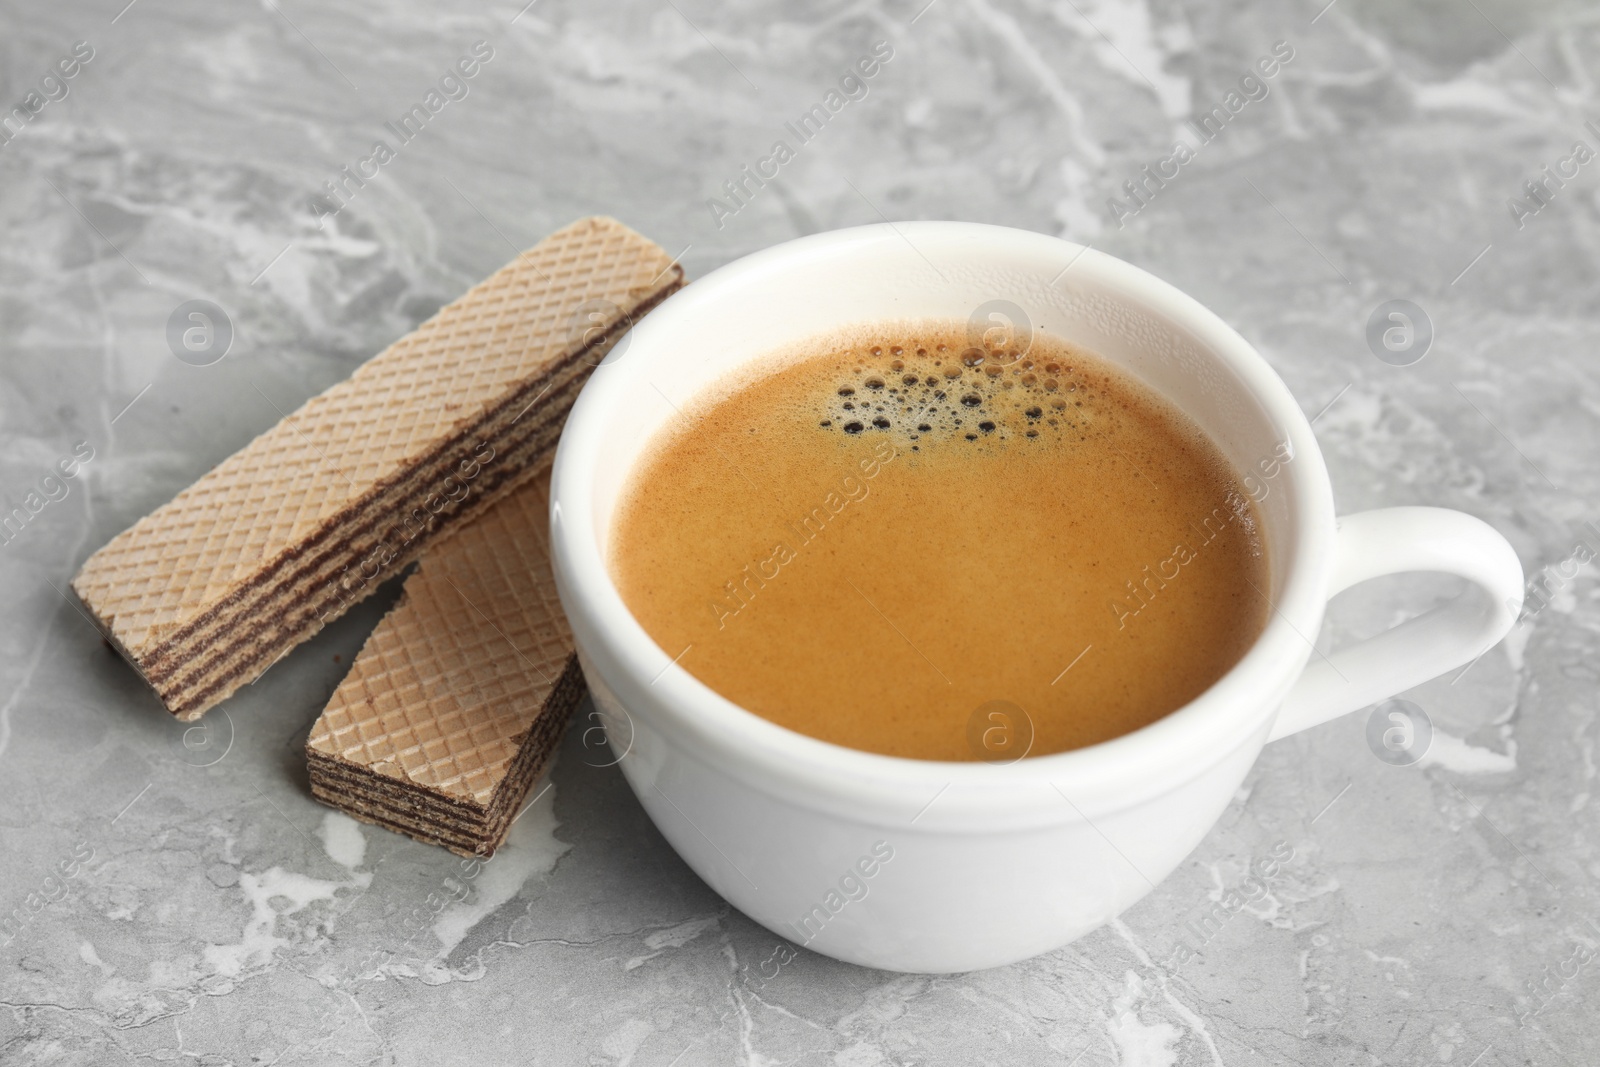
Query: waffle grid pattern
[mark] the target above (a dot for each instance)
(349, 443)
(449, 684)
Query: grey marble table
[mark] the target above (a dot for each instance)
(177, 896)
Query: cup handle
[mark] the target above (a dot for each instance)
(1372, 544)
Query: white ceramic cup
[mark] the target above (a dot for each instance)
(917, 865)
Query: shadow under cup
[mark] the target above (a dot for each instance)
(973, 865)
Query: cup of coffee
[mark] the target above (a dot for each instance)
(938, 583)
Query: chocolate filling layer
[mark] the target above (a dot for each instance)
(439, 818)
(303, 613)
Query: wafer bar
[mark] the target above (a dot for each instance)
(279, 539)
(455, 703)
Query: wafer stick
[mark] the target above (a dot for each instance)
(281, 538)
(458, 698)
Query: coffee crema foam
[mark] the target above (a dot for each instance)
(933, 389)
(902, 543)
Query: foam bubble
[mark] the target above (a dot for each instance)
(923, 396)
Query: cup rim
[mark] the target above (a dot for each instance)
(1104, 776)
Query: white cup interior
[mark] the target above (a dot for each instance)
(935, 271)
